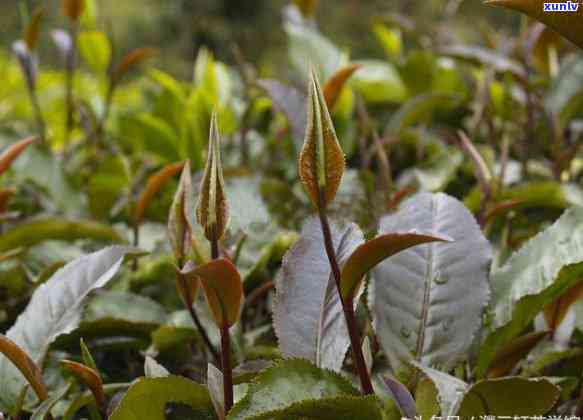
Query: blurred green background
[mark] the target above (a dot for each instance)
(179, 27)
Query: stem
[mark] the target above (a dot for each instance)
(214, 249)
(189, 306)
(226, 366)
(136, 243)
(40, 122)
(70, 76)
(348, 306)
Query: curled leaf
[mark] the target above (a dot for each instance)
(88, 377)
(212, 211)
(334, 85)
(567, 21)
(25, 365)
(73, 9)
(32, 32)
(133, 58)
(153, 186)
(556, 312)
(321, 163)
(368, 255)
(179, 225)
(223, 289)
(12, 152)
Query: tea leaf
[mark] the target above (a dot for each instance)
(513, 352)
(95, 48)
(567, 24)
(555, 312)
(88, 377)
(212, 211)
(335, 84)
(215, 386)
(131, 59)
(308, 316)
(32, 32)
(419, 293)
(179, 222)
(368, 255)
(34, 232)
(55, 309)
(147, 399)
(321, 162)
(12, 152)
(223, 289)
(73, 9)
(25, 365)
(532, 278)
(153, 186)
(401, 396)
(270, 392)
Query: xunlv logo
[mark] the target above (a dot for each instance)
(568, 6)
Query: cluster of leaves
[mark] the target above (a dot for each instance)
(462, 306)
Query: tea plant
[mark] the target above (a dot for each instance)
(394, 300)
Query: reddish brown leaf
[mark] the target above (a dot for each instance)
(25, 365)
(223, 289)
(32, 32)
(133, 58)
(321, 163)
(502, 208)
(5, 194)
(368, 255)
(73, 9)
(89, 377)
(12, 152)
(334, 85)
(307, 7)
(153, 186)
(514, 352)
(555, 312)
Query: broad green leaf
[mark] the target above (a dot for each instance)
(147, 399)
(34, 232)
(95, 49)
(512, 396)
(153, 369)
(531, 279)
(379, 82)
(212, 210)
(223, 289)
(158, 137)
(308, 316)
(12, 152)
(419, 293)
(54, 310)
(321, 162)
(368, 255)
(287, 383)
(153, 186)
(566, 22)
(47, 405)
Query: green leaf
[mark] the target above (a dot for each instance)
(419, 109)
(289, 382)
(34, 232)
(450, 390)
(483, 56)
(436, 174)
(390, 39)
(147, 399)
(55, 309)
(158, 137)
(308, 315)
(95, 49)
(379, 82)
(419, 293)
(86, 399)
(564, 96)
(541, 271)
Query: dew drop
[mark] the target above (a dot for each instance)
(405, 332)
(447, 324)
(440, 278)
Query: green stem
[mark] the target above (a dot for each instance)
(347, 306)
(226, 367)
